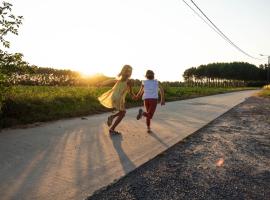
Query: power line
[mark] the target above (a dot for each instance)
(204, 19)
(221, 31)
(208, 23)
(216, 29)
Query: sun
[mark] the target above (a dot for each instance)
(93, 71)
(88, 72)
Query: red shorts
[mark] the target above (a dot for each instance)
(150, 106)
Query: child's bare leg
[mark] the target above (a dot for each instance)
(119, 116)
(115, 115)
(148, 123)
(111, 118)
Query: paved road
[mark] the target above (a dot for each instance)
(70, 159)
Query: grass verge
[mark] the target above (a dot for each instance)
(30, 104)
(265, 92)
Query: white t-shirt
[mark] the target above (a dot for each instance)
(150, 89)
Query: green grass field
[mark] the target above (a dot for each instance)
(29, 104)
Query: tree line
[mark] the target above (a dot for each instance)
(19, 72)
(226, 74)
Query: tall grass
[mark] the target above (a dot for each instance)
(28, 104)
(265, 92)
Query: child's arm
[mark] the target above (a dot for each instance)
(162, 95)
(107, 82)
(140, 93)
(130, 89)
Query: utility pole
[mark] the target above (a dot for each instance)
(268, 68)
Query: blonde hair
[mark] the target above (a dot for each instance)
(124, 70)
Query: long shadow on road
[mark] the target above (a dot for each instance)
(126, 163)
(154, 135)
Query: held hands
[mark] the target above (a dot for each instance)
(135, 97)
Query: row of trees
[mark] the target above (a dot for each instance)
(19, 72)
(226, 74)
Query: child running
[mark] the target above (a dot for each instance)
(115, 98)
(149, 90)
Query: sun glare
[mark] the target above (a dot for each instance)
(87, 72)
(92, 71)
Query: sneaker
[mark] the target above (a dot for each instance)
(140, 114)
(149, 131)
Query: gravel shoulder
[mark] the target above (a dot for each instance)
(227, 159)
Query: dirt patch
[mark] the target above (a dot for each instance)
(227, 159)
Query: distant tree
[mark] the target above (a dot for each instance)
(189, 74)
(225, 74)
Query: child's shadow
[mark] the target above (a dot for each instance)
(126, 163)
(154, 135)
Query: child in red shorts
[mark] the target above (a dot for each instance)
(149, 92)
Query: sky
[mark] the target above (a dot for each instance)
(100, 36)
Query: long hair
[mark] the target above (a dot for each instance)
(123, 71)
